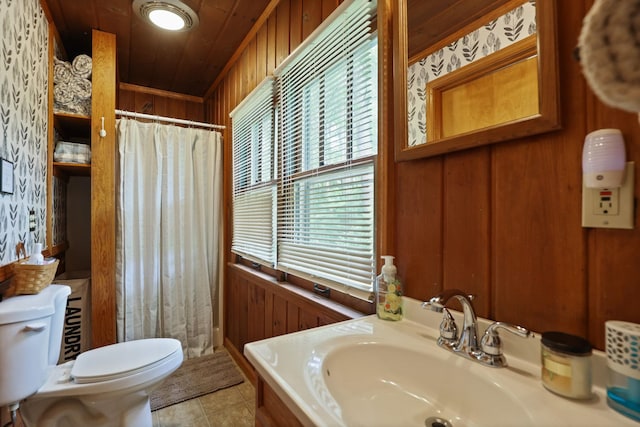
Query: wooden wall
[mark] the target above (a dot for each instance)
(141, 99)
(500, 221)
(504, 221)
(258, 307)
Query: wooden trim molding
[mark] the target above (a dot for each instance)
(103, 217)
(454, 101)
(159, 92)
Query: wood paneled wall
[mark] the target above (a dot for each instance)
(504, 221)
(259, 307)
(145, 100)
(500, 221)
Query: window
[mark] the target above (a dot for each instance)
(254, 183)
(325, 146)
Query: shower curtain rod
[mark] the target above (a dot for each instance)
(168, 119)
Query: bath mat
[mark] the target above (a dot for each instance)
(196, 377)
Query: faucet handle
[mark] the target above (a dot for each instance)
(448, 328)
(491, 344)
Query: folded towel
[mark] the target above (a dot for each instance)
(80, 87)
(72, 87)
(82, 107)
(610, 52)
(82, 66)
(62, 71)
(63, 93)
(70, 152)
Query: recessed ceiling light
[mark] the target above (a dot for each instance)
(167, 14)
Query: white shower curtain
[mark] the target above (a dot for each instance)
(169, 212)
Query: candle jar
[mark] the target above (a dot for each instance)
(566, 365)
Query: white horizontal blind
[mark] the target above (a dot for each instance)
(327, 114)
(254, 180)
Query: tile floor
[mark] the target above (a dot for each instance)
(233, 407)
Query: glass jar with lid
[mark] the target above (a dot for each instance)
(566, 365)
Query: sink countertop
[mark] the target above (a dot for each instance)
(292, 365)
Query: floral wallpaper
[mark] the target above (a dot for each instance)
(23, 122)
(493, 36)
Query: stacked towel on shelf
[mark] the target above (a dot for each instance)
(70, 152)
(71, 85)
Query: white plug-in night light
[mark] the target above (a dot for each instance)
(603, 159)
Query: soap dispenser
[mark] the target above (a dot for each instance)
(36, 257)
(388, 292)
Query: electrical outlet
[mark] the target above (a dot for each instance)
(606, 201)
(610, 207)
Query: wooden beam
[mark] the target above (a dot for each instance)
(103, 184)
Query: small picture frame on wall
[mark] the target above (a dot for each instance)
(6, 176)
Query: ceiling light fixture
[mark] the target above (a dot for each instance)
(170, 15)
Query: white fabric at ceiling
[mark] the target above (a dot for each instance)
(168, 233)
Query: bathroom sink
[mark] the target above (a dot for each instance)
(371, 372)
(381, 384)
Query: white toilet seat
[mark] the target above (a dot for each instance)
(120, 360)
(105, 378)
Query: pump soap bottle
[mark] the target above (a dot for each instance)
(388, 292)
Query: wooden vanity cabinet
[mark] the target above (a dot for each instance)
(271, 410)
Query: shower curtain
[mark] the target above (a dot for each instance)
(168, 231)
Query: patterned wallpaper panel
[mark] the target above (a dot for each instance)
(493, 36)
(23, 122)
(59, 205)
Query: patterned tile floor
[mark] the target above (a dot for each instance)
(233, 406)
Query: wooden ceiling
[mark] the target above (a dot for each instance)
(189, 62)
(184, 62)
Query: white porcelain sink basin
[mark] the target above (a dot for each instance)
(386, 385)
(369, 372)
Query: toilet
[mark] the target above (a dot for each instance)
(107, 386)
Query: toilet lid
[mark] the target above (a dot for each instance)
(122, 359)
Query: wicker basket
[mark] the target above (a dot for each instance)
(31, 278)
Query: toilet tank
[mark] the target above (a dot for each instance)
(26, 337)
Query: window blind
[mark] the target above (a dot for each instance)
(254, 180)
(327, 125)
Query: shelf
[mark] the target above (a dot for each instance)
(57, 249)
(73, 169)
(69, 124)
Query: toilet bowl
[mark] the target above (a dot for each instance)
(107, 386)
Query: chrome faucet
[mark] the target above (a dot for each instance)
(489, 350)
(467, 343)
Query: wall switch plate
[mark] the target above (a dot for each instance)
(610, 207)
(32, 220)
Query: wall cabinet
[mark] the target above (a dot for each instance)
(101, 173)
